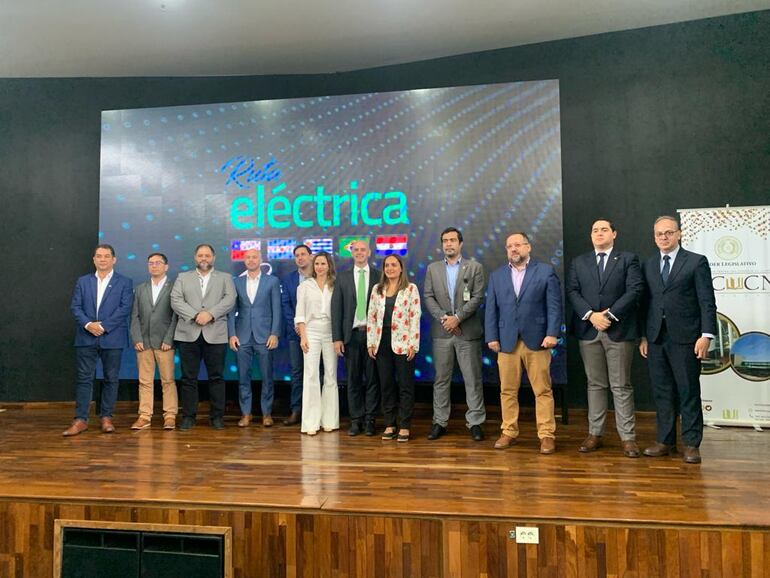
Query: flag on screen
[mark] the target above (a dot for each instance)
(345, 242)
(320, 244)
(238, 247)
(391, 245)
(280, 248)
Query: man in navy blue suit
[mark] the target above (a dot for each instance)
(253, 326)
(101, 305)
(679, 315)
(289, 284)
(522, 324)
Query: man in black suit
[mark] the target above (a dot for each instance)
(350, 302)
(679, 313)
(604, 287)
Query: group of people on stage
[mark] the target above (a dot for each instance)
(372, 319)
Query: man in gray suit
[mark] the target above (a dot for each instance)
(153, 323)
(202, 299)
(453, 292)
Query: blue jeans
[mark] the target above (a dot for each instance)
(297, 370)
(85, 361)
(245, 356)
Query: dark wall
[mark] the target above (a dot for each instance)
(653, 120)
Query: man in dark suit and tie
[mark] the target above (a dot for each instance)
(604, 287)
(679, 320)
(254, 325)
(153, 324)
(303, 260)
(350, 303)
(522, 324)
(101, 305)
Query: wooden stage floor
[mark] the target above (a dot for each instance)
(278, 468)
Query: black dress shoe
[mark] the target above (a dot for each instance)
(369, 428)
(355, 429)
(187, 423)
(218, 423)
(477, 433)
(436, 431)
(293, 419)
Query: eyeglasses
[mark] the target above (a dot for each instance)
(516, 245)
(155, 263)
(664, 234)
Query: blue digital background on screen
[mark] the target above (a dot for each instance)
(396, 168)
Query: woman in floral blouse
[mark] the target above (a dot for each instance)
(393, 339)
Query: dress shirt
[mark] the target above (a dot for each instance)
(156, 289)
(517, 277)
(672, 256)
(452, 271)
(356, 276)
(101, 287)
(316, 302)
(252, 286)
(204, 279)
(607, 253)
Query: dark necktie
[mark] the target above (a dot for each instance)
(664, 273)
(600, 266)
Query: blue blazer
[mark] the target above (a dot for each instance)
(114, 311)
(537, 311)
(260, 319)
(289, 286)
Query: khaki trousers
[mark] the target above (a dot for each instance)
(537, 363)
(146, 361)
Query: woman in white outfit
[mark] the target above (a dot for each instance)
(320, 408)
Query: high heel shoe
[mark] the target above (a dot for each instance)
(403, 437)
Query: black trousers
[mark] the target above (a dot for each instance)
(363, 389)
(675, 376)
(213, 356)
(397, 382)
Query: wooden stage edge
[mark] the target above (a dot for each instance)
(332, 505)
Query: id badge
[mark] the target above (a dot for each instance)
(466, 294)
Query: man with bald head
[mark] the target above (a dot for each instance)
(350, 302)
(253, 327)
(522, 325)
(679, 315)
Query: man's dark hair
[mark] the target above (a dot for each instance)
(302, 246)
(213, 252)
(612, 225)
(161, 255)
(451, 230)
(522, 233)
(110, 248)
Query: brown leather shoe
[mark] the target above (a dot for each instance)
(107, 426)
(267, 421)
(78, 427)
(293, 419)
(631, 449)
(591, 444)
(141, 423)
(244, 421)
(547, 446)
(691, 455)
(504, 441)
(169, 423)
(657, 450)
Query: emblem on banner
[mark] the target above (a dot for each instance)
(728, 248)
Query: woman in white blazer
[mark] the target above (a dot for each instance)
(320, 408)
(393, 339)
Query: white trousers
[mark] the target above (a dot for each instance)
(320, 407)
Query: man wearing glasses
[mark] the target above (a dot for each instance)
(679, 321)
(153, 323)
(522, 325)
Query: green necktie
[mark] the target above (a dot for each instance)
(361, 295)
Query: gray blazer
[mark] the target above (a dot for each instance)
(153, 325)
(436, 298)
(187, 301)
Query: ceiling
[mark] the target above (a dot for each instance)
(55, 38)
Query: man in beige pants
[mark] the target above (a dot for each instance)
(153, 323)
